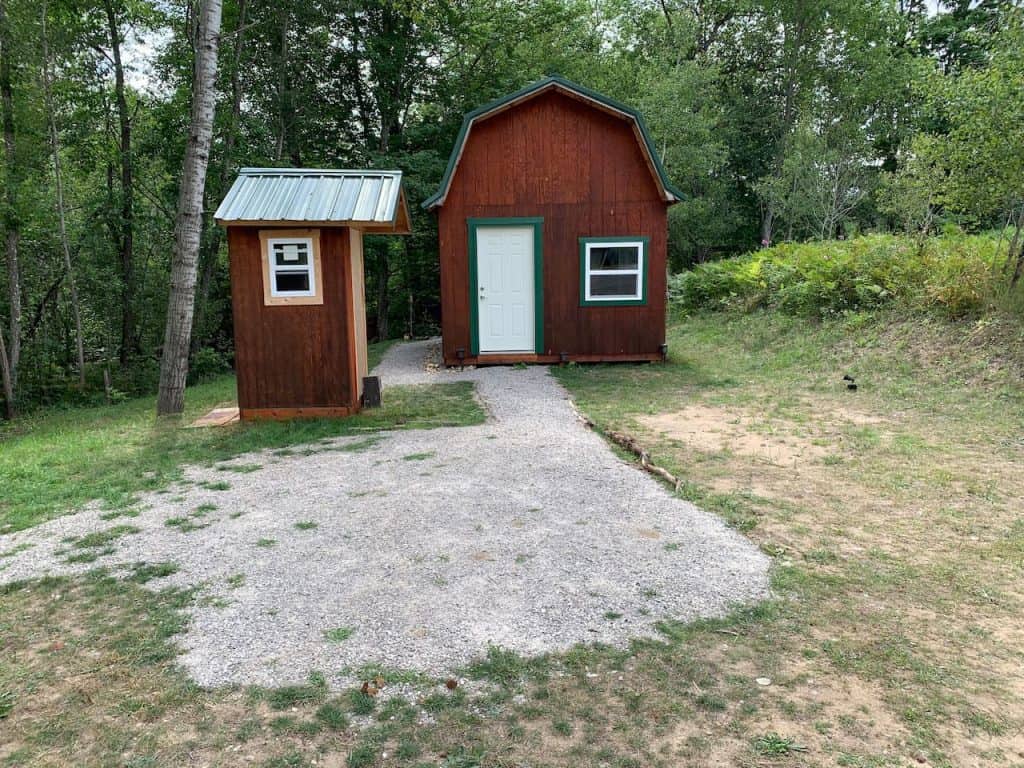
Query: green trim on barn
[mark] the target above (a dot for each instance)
(537, 222)
(645, 257)
(437, 199)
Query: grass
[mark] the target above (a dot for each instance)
(339, 634)
(893, 636)
(53, 462)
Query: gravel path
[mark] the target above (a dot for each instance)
(525, 532)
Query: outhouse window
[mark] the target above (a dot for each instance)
(613, 271)
(291, 266)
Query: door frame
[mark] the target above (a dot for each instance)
(537, 222)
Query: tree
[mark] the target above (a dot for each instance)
(61, 213)
(12, 227)
(189, 225)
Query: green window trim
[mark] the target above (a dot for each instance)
(645, 243)
(537, 222)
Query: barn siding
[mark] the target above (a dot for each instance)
(584, 173)
(289, 357)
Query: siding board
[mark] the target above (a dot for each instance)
(291, 357)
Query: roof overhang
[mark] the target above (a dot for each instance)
(670, 194)
(368, 200)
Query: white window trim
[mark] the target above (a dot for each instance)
(639, 271)
(309, 267)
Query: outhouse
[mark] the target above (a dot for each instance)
(295, 245)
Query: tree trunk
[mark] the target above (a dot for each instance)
(1016, 252)
(12, 234)
(61, 219)
(126, 229)
(189, 226)
(230, 136)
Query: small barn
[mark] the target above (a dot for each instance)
(553, 225)
(295, 246)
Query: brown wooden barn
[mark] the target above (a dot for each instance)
(552, 219)
(295, 244)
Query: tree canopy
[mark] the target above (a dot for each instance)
(780, 120)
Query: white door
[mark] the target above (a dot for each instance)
(505, 288)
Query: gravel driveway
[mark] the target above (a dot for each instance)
(525, 532)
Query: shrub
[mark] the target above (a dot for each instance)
(954, 274)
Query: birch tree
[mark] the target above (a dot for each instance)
(189, 224)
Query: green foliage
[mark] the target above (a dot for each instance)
(956, 275)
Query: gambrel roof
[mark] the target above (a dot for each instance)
(669, 192)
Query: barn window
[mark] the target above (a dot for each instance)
(291, 267)
(613, 271)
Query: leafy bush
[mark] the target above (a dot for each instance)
(955, 274)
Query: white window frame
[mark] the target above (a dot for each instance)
(638, 295)
(309, 267)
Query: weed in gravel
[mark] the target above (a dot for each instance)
(338, 634)
(184, 524)
(612, 615)
(218, 485)
(236, 580)
(358, 446)
(266, 543)
(419, 456)
(143, 573)
(116, 513)
(562, 727)
(15, 550)
(306, 525)
(242, 469)
(104, 538)
(203, 509)
(88, 555)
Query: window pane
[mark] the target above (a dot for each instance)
(614, 257)
(624, 286)
(291, 254)
(291, 281)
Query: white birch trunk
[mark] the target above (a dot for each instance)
(189, 225)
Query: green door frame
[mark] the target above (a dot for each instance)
(537, 222)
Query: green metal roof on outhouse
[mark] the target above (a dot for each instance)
(369, 199)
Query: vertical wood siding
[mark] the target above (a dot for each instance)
(582, 170)
(291, 356)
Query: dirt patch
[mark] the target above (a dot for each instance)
(715, 430)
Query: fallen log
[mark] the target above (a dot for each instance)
(630, 444)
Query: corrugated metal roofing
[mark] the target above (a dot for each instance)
(312, 195)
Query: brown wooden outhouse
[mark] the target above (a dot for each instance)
(295, 245)
(552, 219)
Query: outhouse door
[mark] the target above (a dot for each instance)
(505, 288)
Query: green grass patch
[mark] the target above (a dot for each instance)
(338, 634)
(53, 462)
(307, 525)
